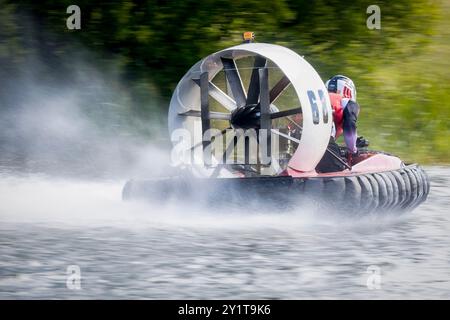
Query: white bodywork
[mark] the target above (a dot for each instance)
(302, 76)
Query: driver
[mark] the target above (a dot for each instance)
(342, 94)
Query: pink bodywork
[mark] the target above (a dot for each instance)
(375, 163)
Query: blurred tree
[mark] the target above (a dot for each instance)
(399, 70)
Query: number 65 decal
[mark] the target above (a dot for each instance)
(315, 108)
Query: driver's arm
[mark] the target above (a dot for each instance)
(351, 113)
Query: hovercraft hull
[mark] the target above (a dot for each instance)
(394, 190)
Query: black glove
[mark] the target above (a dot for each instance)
(351, 156)
(343, 151)
(361, 142)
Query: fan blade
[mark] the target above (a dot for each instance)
(230, 147)
(264, 102)
(334, 155)
(220, 96)
(279, 88)
(221, 133)
(234, 80)
(212, 115)
(285, 113)
(225, 155)
(285, 135)
(253, 88)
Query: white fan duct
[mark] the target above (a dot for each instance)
(309, 88)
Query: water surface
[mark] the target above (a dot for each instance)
(132, 250)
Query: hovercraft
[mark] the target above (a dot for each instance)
(250, 123)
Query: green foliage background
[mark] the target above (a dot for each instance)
(401, 71)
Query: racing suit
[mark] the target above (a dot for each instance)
(345, 116)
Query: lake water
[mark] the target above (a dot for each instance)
(67, 238)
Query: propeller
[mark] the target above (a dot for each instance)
(221, 97)
(253, 87)
(234, 81)
(211, 115)
(281, 85)
(246, 110)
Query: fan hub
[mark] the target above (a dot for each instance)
(247, 117)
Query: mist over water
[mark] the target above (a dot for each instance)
(66, 152)
(78, 121)
(133, 250)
